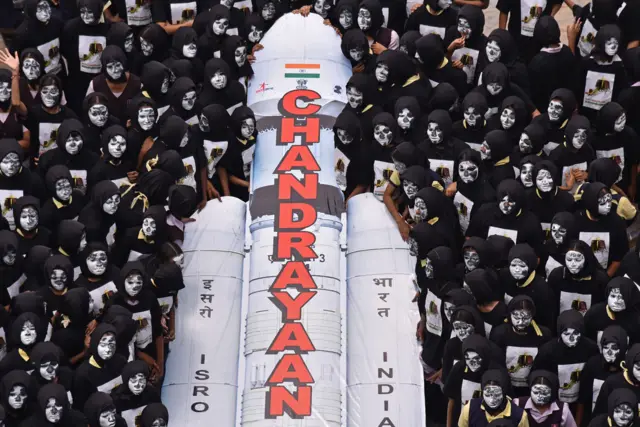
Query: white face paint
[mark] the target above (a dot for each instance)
(17, 396)
(49, 370)
(356, 54)
(355, 97)
(58, 279)
(471, 259)
(544, 181)
(247, 128)
(149, 227)
(73, 144)
(413, 246)
(541, 394)
(570, 337)
(526, 175)
(555, 110)
(382, 72)
(189, 100)
(518, 269)
(83, 242)
(492, 396)
(464, 28)
(146, 47)
(97, 263)
(53, 411)
(468, 171)
(410, 189)
(382, 134)
(507, 205)
(485, 151)
(128, 43)
(322, 8)
(219, 80)
(610, 352)
(345, 19)
(146, 117)
(28, 334)
(448, 310)
(203, 123)
(604, 203)
(159, 422)
(579, 138)
(165, 85)
(133, 284)
(574, 261)
(255, 34)
(5, 91)
(227, 3)
(521, 319)
(364, 19)
(179, 260)
(269, 12)
(525, 145)
(343, 136)
(10, 165)
(43, 12)
(494, 88)
(137, 384)
(405, 119)
(28, 218)
(636, 371)
(107, 346)
(428, 269)
(9, 258)
(462, 330)
(110, 206)
(472, 360)
(558, 233)
(420, 210)
(434, 132)
(50, 95)
(117, 146)
(620, 123)
(98, 115)
(87, 16)
(240, 55)
(108, 418)
(63, 189)
(115, 69)
(444, 4)
(185, 139)
(493, 51)
(507, 118)
(190, 50)
(31, 69)
(471, 116)
(623, 415)
(615, 300)
(611, 47)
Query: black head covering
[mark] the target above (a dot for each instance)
(182, 201)
(514, 190)
(253, 28)
(155, 185)
(410, 103)
(480, 246)
(417, 175)
(91, 248)
(229, 46)
(102, 192)
(57, 392)
(180, 88)
(621, 396)
(547, 31)
(8, 243)
(508, 47)
(499, 144)
(111, 54)
(567, 221)
(94, 98)
(475, 16)
(12, 379)
(134, 105)
(16, 329)
(109, 133)
(525, 253)
(479, 344)
(547, 378)
(377, 18)
(32, 53)
(520, 302)
(431, 51)
(443, 119)
(568, 100)
(152, 412)
(590, 197)
(67, 128)
(607, 117)
(45, 352)
(155, 35)
(118, 34)
(496, 72)
(126, 328)
(443, 263)
(239, 115)
(219, 122)
(97, 403)
(628, 290)
(134, 368)
(401, 67)
(364, 83)
(101, 330)
(170, 161)
(95, 6)
(22, 203)
(616, 334)
(132, 267)
(605, 33)
(444, 97)
(604, 170)
(483, 284)
(570, 319)
(172, 131)
(548, 166)
(347, 121)
(590, 261)
(408, 42)
(34, 263)
(350, 6)
(168, 278)
(355, 39)
(159, 215)
(75, 306)
(632, 357)
(184, 36)
(477, 101)
(387, 120)
(520, 111)
(211, 67)
(409, 155)
(59, 262)
(154, 74)
(537, 136)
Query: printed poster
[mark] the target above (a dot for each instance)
(599, 243)
(8, 198)
(90, 51)
(444, 169)
(598, 89)
(617, 155)
(519, 362)
(101, 296)
(469, 59)
(575, 301)
(183, 12)
(587, 38)
(469, 390)
(190, 178)
(79, 179)
(569, 376)
(47, 134)
(432, 307)
(51, 52)
(340, 165)
(530, 12)
(463, 207)
(138, 12)
(214, 150)
(247, 159)
(144, 334)
(425, 30)
(382, 172)
(497, 231)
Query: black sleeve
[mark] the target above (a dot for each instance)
(505, 6)
(159, 11)
(619, 242)
(520, 93)
(586, 385)
(453, 384)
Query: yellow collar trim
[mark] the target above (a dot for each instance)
(423, 263)
(433, 220)
(63, 252)
(529, 280)
(506, 413)
(367, 108)
(590, 216)
(540, 195)
(564, 124)
(610, 313)
(519, 213)
(411, 79)
(433, 12)
(151, 163)
(58, 204)
(503, 161)
(437, 186)
(141, 236)
(140, 196)
(536, 328)
(444, 62)
(93, 363)
(23, 354)
(153, 282)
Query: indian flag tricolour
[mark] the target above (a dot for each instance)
(297, 71)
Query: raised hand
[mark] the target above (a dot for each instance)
(13, 62)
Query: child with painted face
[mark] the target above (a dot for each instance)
(508, 217)
(136, 393)
(371, 21)
(472, 128)
(155, 415)
(166, 282)
(50, 367)
(134, 295)
(126, 329)
(44, 118)
(567, 355)
(140, 242)
(235, 54)
(362, 101)
(575, 154)
(26, 331)
(464, 380)
(101, 411)
(501, 47)
(628, 379)
(184, 47)
(64, 201)
(431, 56)
(114, 164)
(11, 109)
(512, 118)
(530, 142)
(235, 166)
(98, 275)
(525, 176)
(343, 16)
(463, 318)
(580, 281)
(495, 152)
(154, 43)
(183, 102)
(72, 153)
(349, 154)
(519, 339)
(496, 86)
(70, 240)
(102, 370)
(216, 22)
(476, 253)
(621, 307)
(16, 390)
(483, 284)
(494, 403)
(26, 217)
(613, 347)
(561, 233)
(607, 171)
(397, 76)
(542, 404)
(601, 227)
(434, 17)
(415, 181)
(407, 114)
(97, 119)
(33, 267)
(440, 147)
(253, 28)
(521, 278)
(32, 66)
(602, 75)
(157, 79)
(70, 325)
(11, 266)
(559, 110)
(466, 40)
(546, 199)
(98, 216)
(219, 87)
(621, 406)
(58, 273)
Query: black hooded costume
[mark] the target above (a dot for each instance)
(545, 202)
(561, 233)
(100, 225)
(570, 154)
(471, 20)
(182, 102)
(98, 404)
(109, 167)
(363, 102)
(36, 234)
(430, 53)
(496, 76)
(50, 367)
(20, 355)
(69, 326)
(614, 384)
(97, 118)
(53, 297)
(231, 93)
(10, 381)
(508, 55)
(349, 152)
(611, 312)
(397, 75)
(56, 209)
(33, 267)
(472, 128)
(131, 405)
(484, 286)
